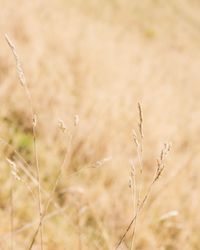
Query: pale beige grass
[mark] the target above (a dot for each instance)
(98, 61)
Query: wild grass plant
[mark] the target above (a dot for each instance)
(95, 177)
(135, 181)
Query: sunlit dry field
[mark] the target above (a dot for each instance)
(111, 82)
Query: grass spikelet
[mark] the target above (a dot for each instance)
(20, 71)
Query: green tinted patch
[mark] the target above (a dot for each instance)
(24, 141)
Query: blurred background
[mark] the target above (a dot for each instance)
(95, 60)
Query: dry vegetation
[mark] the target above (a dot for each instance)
(87, 65)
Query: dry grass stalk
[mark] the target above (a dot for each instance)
(34, 122)
(140, 121)
(101, 162)
(94, 165)
(16, 175)
(133, 187)
(63, 128)
(138, 140)
(14, 169)
(158, 172)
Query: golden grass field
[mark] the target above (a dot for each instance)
(88, 64)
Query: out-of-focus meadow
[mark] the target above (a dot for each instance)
(96, 60)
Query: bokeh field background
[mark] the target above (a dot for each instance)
(96, 60)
